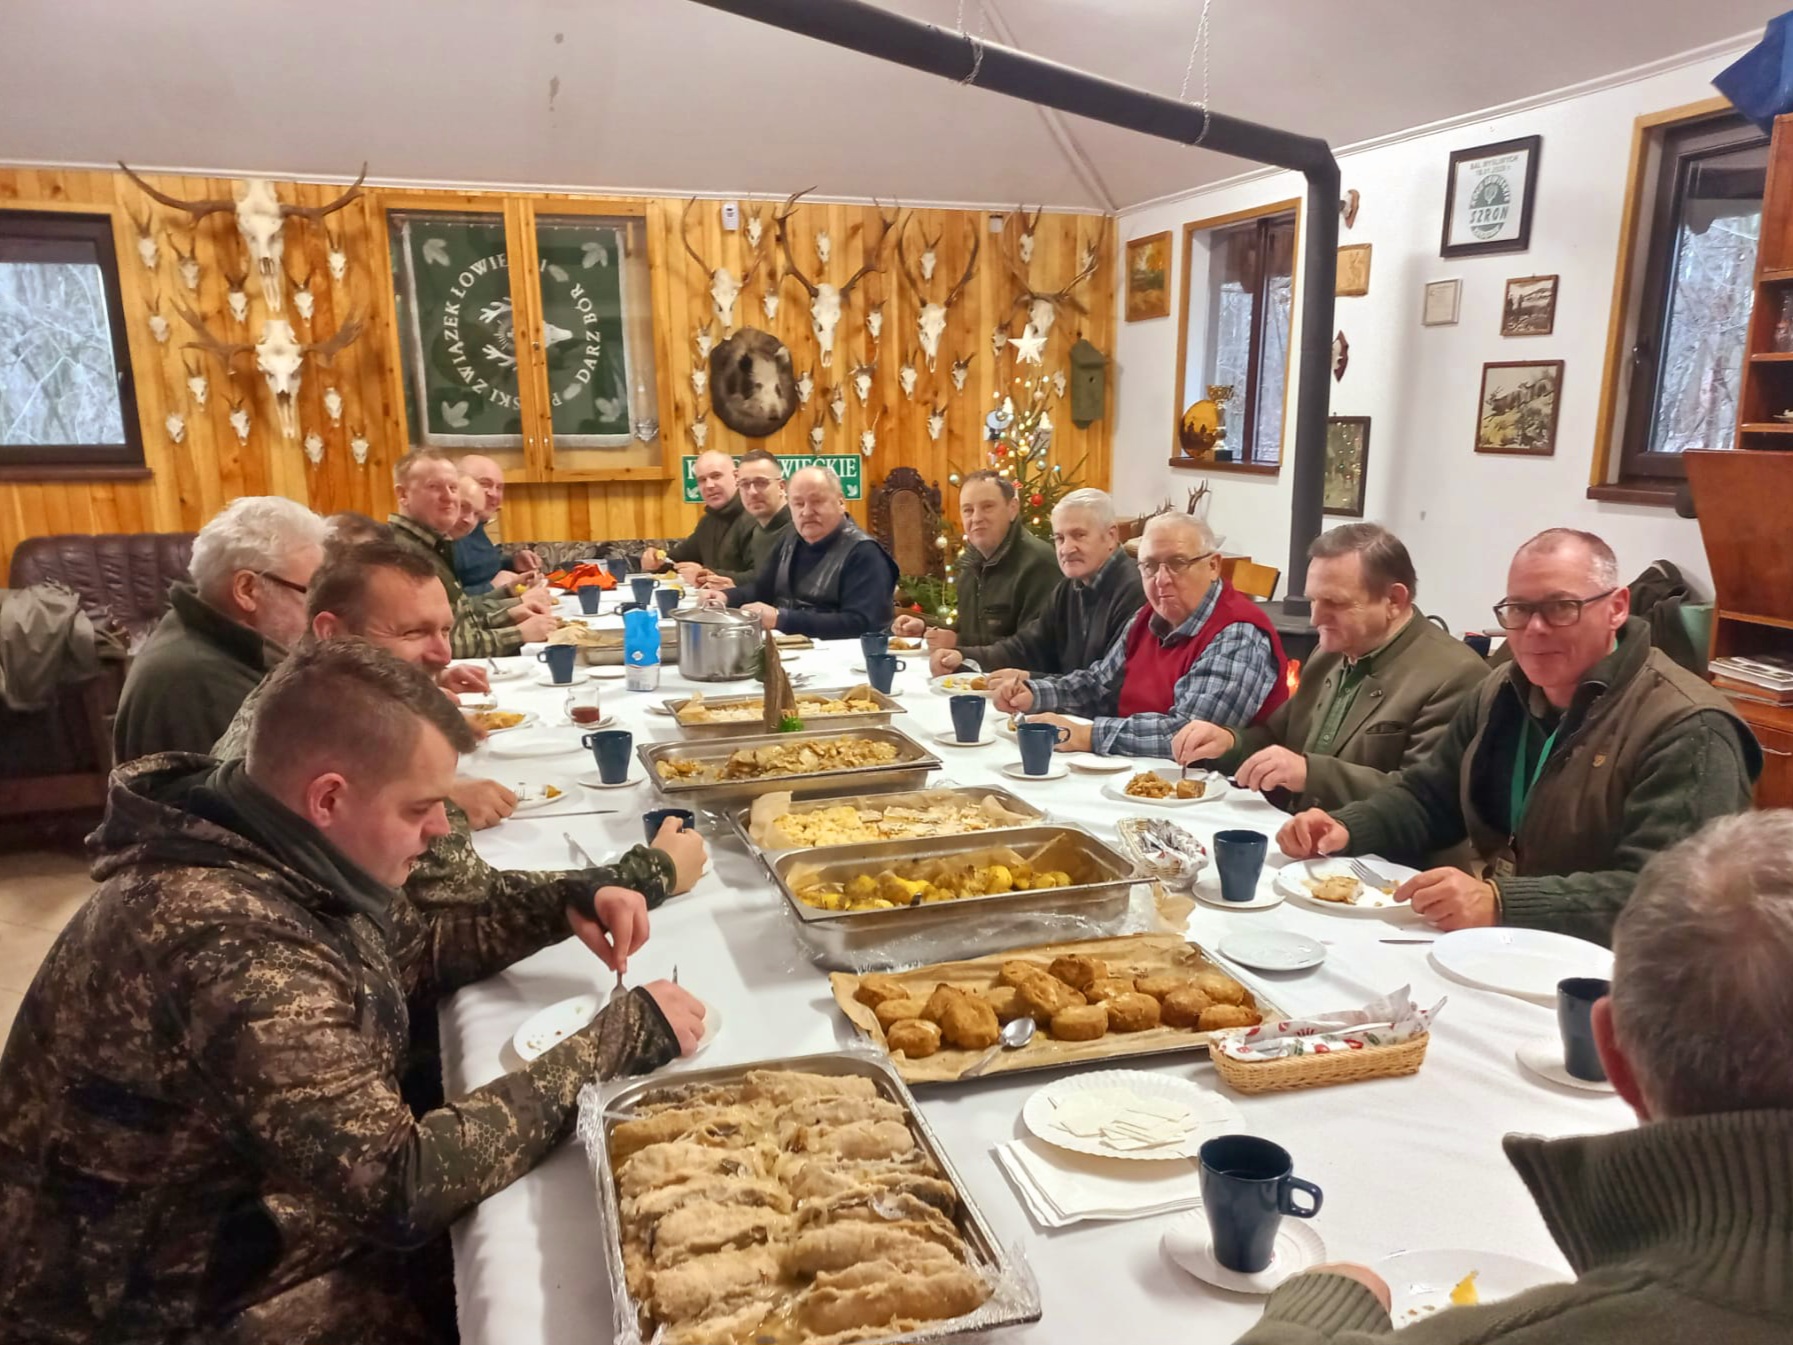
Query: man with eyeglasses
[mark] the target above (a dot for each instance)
(1571, 767)
(1199, 649)
(765, 518)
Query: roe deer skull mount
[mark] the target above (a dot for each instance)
(806, 384)
(906, 376)
(868, 437)
(147, 251)
(862, 380)
(960, 369)
(1024, 243)
(234, 293)
(187, 263)
(930, 322)
(197, 385)
(334, 255)
(1043, 305)
(936, 422)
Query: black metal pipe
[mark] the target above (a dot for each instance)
(864, 27)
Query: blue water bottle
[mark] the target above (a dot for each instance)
(641, 649)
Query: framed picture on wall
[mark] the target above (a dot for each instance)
(1488, 197)
(1530, 306)
(1148, 277)
(1518, 407)
(1443, 299)
(1347, 464)
(1353, 278)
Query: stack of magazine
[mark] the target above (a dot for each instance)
(1768, 679)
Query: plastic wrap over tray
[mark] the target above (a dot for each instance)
(1014, 1294)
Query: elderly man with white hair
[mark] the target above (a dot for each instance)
(1680, 1229)
(826, 578)
(1199, 649)
(1568, 769)
(223, 631)
(1087, 611)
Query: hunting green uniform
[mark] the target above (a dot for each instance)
(755, 541)
(714, 543)
(482, 623)
(1003, 591)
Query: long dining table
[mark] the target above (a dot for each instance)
(1408, 1163)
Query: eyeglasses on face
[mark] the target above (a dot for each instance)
(1515, 615)
(1175, 564)
(273, 578)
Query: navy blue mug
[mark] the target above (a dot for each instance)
(873, 643)
(1575, 999)
(610, 749)
(644, 586)
(590, 595)
(968, 717)
(1478, 641)
(619, 568)
(668, 598)
(1248, 1185)
(560, 659)
(1038, 742)
(881, 670)
(1239, 857)
(654, 818)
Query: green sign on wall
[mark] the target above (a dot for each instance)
(846, 467)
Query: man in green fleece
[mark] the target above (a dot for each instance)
(1377, 697)
(1682, 1229)
(1006, 574)
(1566, 772)
(713, 544)
(765, 519)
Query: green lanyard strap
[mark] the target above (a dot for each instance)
(1523, 784)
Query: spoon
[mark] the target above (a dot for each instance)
(1013, 1037)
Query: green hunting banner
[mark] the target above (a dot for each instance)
(846, 467)
(455, 284)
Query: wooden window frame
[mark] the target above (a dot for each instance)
(1253, 392)
(41, 462)
(519, 211)
(1607, 478)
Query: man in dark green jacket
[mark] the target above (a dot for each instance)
(1566, 772)
(221, 633)
(713, 543)
(1375, 699)
(1680, 1230)
(1006, 574)
(1090, 607)
(765, 519)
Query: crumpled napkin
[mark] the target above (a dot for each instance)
(1382, 1022)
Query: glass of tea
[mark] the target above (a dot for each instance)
(582, 706)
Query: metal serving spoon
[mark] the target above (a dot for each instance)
(1013, 1037)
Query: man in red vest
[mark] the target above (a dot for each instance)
(1198, 650)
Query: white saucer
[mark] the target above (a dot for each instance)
(1014, 772)
(552, 1025)
(546, 679)
(659, 709)
(1272, 949)
(592, 781)
(950, 739)
(1543, 1056)
(1267, 895)
(507, 672)
(534, 745)
(530, 805)
(1092, 764)
(1189, 1244)
(608, 672)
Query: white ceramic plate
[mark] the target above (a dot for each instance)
(1210, 1113)
(1543, 1056)
(508, 671)
(592, 781)
(1189, 1244)
(1216, 788)
(1014, 772)
(951, 739)
(529, 717)
(658, 709)
(539, 800)
(559, 1021)
(609, 672)
(1523, 962)
(545, 679)
(1091, 764)
(1420, 1283)
(1272, 949)
(956, 684)
(1291, 881)
(535, 745)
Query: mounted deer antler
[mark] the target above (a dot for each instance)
(931, 320)
(187, 263)
(724, 288)
(928, 259)
(261, 219)
(279, 355)
(1024, 244)
(1043, 305)
(234, 294)
(825, 300)
(303, 300)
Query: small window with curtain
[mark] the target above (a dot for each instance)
(1238, 307)
(67, 404)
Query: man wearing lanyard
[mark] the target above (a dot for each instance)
(1572, 766)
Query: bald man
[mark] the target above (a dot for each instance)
(715, 544)
(480, 563)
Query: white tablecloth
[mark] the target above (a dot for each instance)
(1404, 1163)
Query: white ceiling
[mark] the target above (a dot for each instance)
(666, 96)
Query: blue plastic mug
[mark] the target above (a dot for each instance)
(1239, 857)
(610, 749)
(1248, 1185)
(560, 659)
(590, 595)
(654, 818)
(881, 670)
(619, 568)
(668, 598)
(968, 717)
(644, 586)
(1038, 742)
(873, 643)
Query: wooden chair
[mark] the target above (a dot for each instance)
(906, 519)
(1254, 580)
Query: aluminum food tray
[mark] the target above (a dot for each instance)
(755, 728)
(837, 937)
(909, 770)
(740, 817)
(989, 1254)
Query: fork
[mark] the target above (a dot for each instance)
(1365, 874)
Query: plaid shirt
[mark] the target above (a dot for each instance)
(482, 625)
(1226, 685)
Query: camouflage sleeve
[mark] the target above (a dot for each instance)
(276, 1029)
(473, 638)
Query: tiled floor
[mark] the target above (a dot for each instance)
(39, 891)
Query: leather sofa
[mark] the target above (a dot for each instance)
(122, 577)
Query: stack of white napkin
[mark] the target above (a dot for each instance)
(1061, 1188)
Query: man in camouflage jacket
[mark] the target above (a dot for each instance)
(201, 1132)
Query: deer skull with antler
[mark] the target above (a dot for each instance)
(234, 294)
(147, 250)
(1024, 244)
(261, 220)
(930, 322)
(187, 263)
(825, 300)
(725, 289)
(936, 422)
(303, 299)
(862, 380)
(930, 257)
(334, 254)
(1043, 305)
(279, 355)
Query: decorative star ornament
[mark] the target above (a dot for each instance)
(1030, 346)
